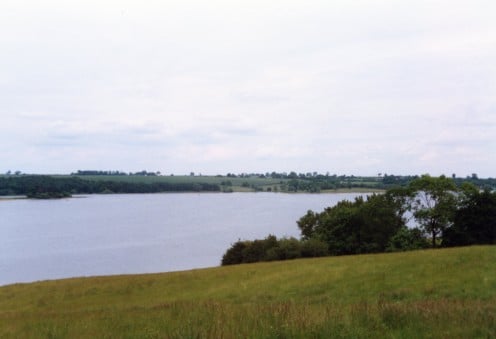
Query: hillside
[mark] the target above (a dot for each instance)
(447, 293)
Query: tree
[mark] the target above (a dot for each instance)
(433, 203)
(308, 224)
(475, 220)
(381, 218)
(362, 226)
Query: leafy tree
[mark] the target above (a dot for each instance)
(362, 226)
(308, 224)
(433, 203)
(475, 220)
(339, 226)
(381, 218)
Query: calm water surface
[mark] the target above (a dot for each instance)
(139, 233)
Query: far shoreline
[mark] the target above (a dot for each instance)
(331, 191)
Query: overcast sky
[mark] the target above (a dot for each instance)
(340, 86)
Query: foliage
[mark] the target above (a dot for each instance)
(475, 220)
(281, 182)
(311, 248)
(40, 185)
(362, 226)
(285, 249)
(271, 248)
(234, 255)
(407, 239)
(448, 214)
(433, 202)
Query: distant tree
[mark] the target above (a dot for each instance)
(292, 175)
(308, 224)
(433, 203)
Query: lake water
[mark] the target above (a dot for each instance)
(139, 233)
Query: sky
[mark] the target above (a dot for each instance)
(346, 87)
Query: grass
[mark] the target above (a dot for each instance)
(449, 293)
(237, 183)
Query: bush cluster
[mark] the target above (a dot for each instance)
(271, 248)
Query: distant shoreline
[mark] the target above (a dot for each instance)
(334, 191)
(12, 197)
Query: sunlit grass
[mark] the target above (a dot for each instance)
(447, 293)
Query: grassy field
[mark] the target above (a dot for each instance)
(237, 183)
(449, 293)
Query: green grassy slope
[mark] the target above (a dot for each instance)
(448, 293)
(237, 183)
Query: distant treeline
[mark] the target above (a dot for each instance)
(53, 186)
(268, 182)
(444, 214)
(94, 172)
(316, 182)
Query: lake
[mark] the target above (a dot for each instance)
(140, 233)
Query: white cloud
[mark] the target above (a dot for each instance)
(349, 87)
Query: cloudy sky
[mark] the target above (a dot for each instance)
(346, 87)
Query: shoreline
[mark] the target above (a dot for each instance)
(333, 191)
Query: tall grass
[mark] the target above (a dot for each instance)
(447, 293)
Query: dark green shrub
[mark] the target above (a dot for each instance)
(314, 248)
(407, 239)
(234, 255)
(287, 248)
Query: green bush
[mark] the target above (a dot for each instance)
(234, 255)
(407, 239)
(249, 251)
(271, 249)
(287, 248)
(314, 248)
